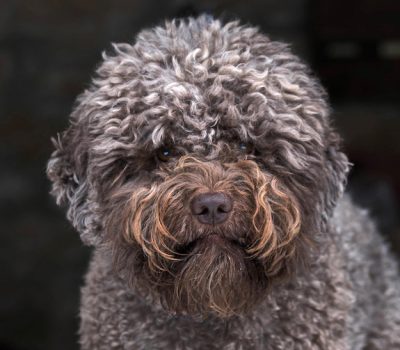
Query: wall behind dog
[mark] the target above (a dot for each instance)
(48, 51)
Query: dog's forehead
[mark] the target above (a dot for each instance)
(196, 86)
(226, 101)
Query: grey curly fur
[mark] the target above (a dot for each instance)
(201, 88)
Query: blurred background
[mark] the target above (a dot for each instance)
(48, 52)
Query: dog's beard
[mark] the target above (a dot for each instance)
(201, 269)
(218, 276)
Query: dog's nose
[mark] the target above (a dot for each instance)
(211, 208)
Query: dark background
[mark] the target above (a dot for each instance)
(48, 51)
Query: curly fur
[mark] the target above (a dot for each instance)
(295, 266)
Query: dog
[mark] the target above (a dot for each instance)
(202, 166)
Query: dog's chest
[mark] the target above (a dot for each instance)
(295, 317)
(154, 329)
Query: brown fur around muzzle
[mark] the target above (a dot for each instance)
(158, 245)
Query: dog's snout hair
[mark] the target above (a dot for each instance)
(156, 219)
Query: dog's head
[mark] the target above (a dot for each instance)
(202, 156)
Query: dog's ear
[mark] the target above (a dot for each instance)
(336, 170)
(67, 170)
(67, 165)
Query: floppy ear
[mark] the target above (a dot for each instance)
(63, 169)
(336, 170)
(67, 170)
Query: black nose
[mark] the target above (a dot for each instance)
(211, 208)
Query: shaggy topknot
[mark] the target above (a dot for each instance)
(199, 108)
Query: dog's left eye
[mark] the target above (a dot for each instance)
(246, 148)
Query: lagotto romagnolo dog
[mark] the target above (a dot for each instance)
(202, 166)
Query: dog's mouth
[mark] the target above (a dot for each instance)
(211, 240)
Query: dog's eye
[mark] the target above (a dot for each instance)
(164, 154)
(246, 148)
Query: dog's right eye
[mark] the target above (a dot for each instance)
(164, 154)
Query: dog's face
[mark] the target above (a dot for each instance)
(203, 158)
